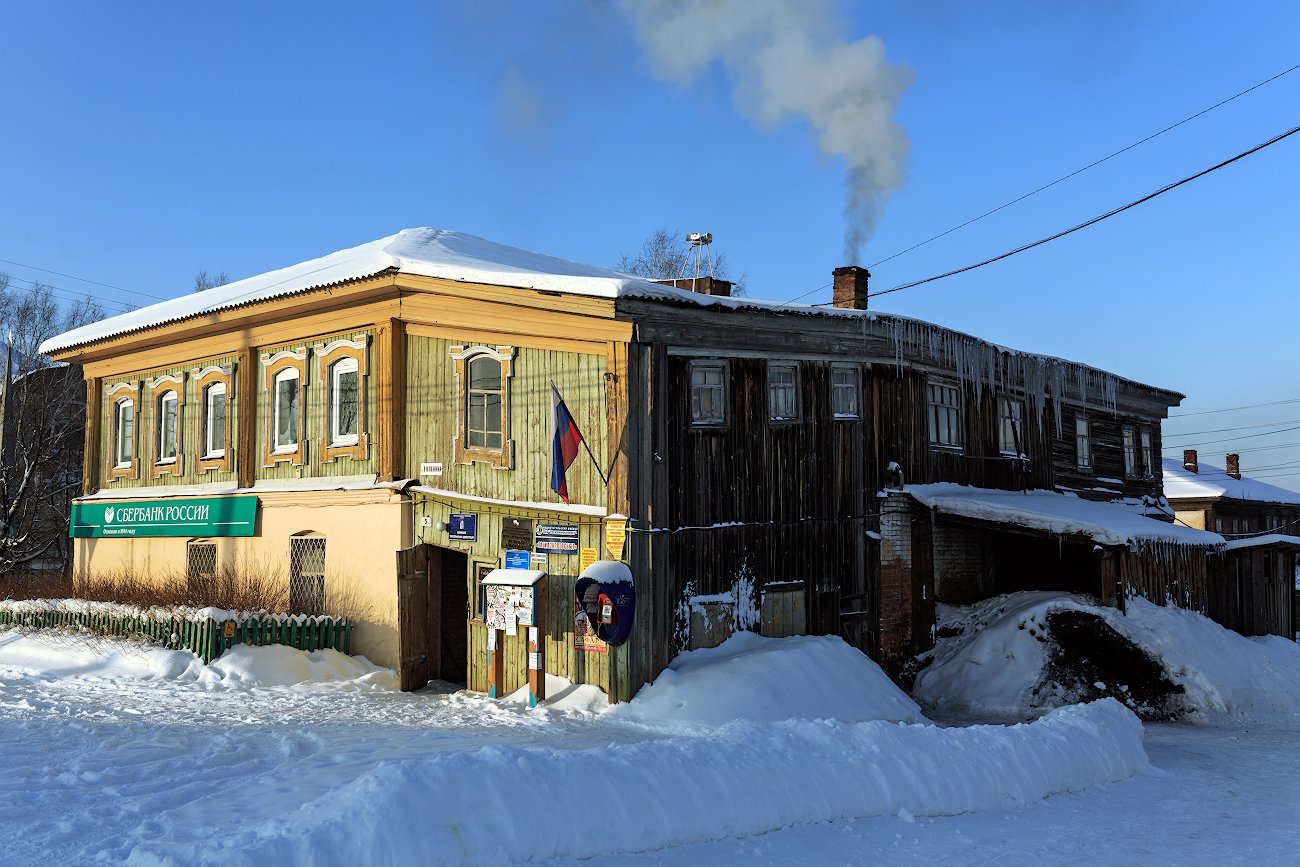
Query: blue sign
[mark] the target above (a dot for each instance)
(517, 560)
(557, 538)
(462, 527)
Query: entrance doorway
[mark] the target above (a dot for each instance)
(432, 615)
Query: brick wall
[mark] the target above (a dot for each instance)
(958, 565)
(896, 578)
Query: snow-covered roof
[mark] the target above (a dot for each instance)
(1212, 482)
(1265, 541)
(1113, 523)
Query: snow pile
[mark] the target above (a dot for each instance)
(57, 655)
(770, 679)
(499, 805)
(995, 658)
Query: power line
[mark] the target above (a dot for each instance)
(73, 295)
(85, 280)
(1089, 166)
(1267, 433)
(1133, 204)
(1191, 433)
(1235, 408)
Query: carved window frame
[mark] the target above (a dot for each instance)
(113, 396)
(502, 458)
(159, 388)
(272, 367)
(329, 355)
(205, 378)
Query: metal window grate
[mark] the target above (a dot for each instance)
(200, 567)
(307, 575)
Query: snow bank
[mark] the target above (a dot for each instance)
(500, 805)
(56, 655)
(154, 612)
(995, 663)
(770, 679)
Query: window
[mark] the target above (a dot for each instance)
(483, 380)
(1130, 452)
(782, 392)
(284, 423)
(1011, 438)
(123, 433)
(844, 392)
(307, 575)
(945, 415)
(200, 570)
(344, 402)
(1148, 453)
(1082, 444)
(708, 393)
(167, 422)
(214, 420)
(483, 403)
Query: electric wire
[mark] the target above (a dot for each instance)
(1289, 400)
(85, 280)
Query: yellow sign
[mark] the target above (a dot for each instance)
(616, 537)
(586, 557)
(228, 629)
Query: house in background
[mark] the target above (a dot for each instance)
(1261, 523)
(831, 470)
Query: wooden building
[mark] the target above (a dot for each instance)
(775, 463)
(1261, 523)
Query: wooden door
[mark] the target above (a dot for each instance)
(418, 648)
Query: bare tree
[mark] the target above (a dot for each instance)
(202, 282)
(666, 255)
(43, 427)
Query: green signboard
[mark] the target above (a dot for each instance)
(192, 516)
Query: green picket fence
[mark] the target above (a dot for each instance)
(206, 638)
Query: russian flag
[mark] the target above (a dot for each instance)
(565, 439)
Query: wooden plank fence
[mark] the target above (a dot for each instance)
(208, 638)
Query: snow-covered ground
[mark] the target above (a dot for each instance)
(117, 753)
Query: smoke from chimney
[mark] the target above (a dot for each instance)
(786, 60)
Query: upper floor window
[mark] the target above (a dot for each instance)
(1130, 451)
(343, 421)
(123, 433)
(1082, 444)
(783, 391)
(344, 402)
(167, 427)
(844, 392)
(1011, 437)
(708, 392)
(944, 406)
(214, 421)
(483, 380)
(1148, 452)
(285, 401)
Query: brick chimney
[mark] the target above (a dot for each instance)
(851, 287)
(1232, 463)
(1189, 461)
(702, 285)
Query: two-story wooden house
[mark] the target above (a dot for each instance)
(854, 465)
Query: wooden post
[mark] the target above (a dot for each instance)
(94, 407)
(246, 415)
(390, 398)
(537, 647)
(496, 663)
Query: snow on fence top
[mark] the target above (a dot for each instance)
(458, 256)
(1214, 481)
(1114, 523)
(156, 612)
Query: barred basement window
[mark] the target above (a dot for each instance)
(307, 575)
(200, 569)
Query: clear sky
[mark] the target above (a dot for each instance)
(146, 141)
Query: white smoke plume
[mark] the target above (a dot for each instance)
(788, 60)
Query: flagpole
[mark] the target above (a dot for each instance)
(582, 439)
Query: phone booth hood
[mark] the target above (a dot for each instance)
(613, 580)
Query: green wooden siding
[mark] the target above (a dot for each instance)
(313, 420)
(431, 402)
(146, 445)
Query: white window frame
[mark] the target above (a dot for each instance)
(792, 367)
(211, 391)
(123, 409)
(700, 386)
(1082, 443)
(938, 409)
(1011, 420)
(853, 389)
(285, 375)
(347, 364)
(168, 396)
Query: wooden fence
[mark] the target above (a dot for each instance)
(206, 638)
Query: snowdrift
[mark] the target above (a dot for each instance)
(500, 805)
(998, 659)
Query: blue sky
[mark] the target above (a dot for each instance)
(146, 141)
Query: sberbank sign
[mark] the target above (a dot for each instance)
(192, 516)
